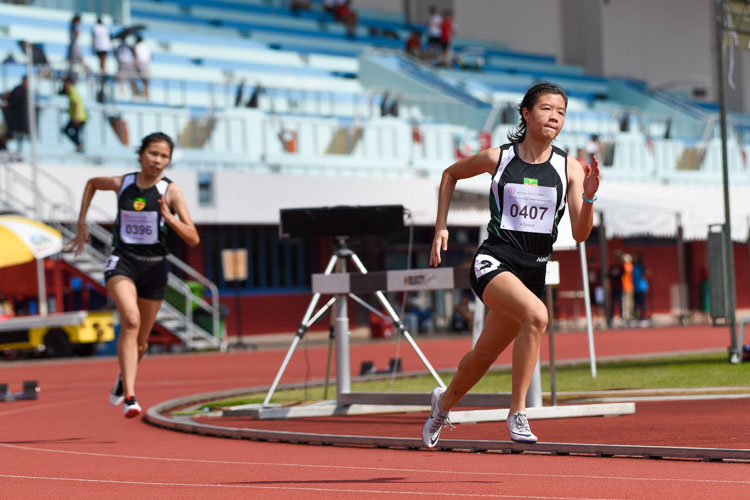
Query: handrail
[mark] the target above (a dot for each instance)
(215, 306)
(423, 71)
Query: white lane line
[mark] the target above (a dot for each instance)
(372, 469)
(281, 487)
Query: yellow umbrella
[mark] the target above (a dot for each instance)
(23, 240)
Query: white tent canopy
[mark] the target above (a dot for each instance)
(639, 209)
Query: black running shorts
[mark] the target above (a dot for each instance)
(148, 273)
(494, 257)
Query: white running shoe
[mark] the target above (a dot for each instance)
(437, 419)
(131, 409)
(518, 425)
(117, 394)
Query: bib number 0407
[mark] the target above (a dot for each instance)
(527, 211)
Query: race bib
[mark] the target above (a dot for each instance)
(529, 208)
(139, 228)
(111, 263)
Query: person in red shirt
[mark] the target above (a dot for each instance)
(413, 45)
(446, 34)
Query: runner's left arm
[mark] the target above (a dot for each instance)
(582, 180)
(182, 224)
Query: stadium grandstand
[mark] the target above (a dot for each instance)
(274, 108)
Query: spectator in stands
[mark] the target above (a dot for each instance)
(593, 146)
(447, 29)
(463, 316)
(254, 99)
(143, 63)
(614, 277)
(389, 105)
(77, 113)
(75, 56)
(136, 271)
(596, 289)
(126, 67)
(640, 287)
(509, 268)
(239, 93)
(344, 14)
(413, 45)
(102, 44)
(16, 113)
(329, 6)
(434, 33)
(6, 307)
(417, 305)
(581, 155)
(297, 5)
(627, 287)
(668, 129)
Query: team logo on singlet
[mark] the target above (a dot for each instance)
(484, 264)
(139, 203)
(530, 182)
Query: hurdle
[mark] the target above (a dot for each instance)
(342, 285)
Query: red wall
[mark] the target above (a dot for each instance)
(19, 280)
(276, 313)
(661, 263)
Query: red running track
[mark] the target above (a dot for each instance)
(71, 444)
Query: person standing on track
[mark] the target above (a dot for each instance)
(531, 180)
(136, 271)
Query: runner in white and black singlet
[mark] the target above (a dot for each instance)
(532, 181)
(136, 271)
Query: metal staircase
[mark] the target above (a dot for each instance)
(189, 318)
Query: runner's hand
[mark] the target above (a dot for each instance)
(166, 214)
(440, 242)
(78, 243)
(591, 178)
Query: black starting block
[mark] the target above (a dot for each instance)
(368, 367)
(30, 391)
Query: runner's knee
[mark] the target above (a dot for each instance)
(130, 320)
(142, 347)
(536, 318)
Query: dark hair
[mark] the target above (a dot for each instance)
(529, 101)
(156, 137)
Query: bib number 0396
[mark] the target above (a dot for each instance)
(137, 229)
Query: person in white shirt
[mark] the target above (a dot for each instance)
(434, 33)
(143, 63)
(126, 67)
(102, 44)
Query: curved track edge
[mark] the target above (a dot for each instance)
(156, 415)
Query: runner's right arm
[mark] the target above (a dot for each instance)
(484, 161)
(78, 243)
